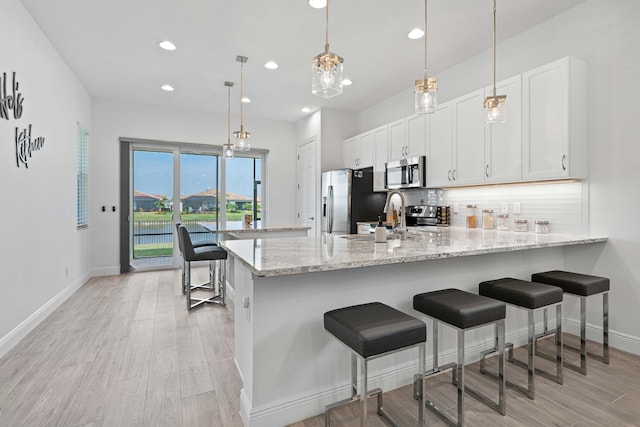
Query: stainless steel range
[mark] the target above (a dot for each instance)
(421, 215)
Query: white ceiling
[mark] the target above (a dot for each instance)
(112, 46)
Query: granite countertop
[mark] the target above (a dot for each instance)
(278, 257)
(211, 227)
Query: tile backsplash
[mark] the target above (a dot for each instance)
(564, 204)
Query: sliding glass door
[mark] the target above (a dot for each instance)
(186, 183)
(199, 194)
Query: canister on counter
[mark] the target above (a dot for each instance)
(541, 226)
(521, 225)
(487, 219)
(503, 222)
(471, 216)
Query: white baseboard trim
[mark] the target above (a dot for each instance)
(11, 339)
(105, 271)
(301, 407)
(618, 340)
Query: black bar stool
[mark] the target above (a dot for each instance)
(198, 244)
(529, 296)
(205, 253)
(370, 331)
(463, 311)
(582, 286)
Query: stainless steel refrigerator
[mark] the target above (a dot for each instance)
(347, 198)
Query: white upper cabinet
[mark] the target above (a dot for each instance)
(554, 123)
(358, 151)
(380, 156)
(468, 139)
(408, 137)
(397, 139)
(503, 141)
(416, 135)
(439, 161)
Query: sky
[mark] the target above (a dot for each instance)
(153, 173)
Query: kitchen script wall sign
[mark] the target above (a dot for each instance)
(11, 107)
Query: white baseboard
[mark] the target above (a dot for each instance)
(105, 271)
(618, 340)
(301, 407)
(14, 336)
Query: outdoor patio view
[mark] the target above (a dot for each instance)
(200, 198)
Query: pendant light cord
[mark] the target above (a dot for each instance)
(241, 85)
(425, 43)
(494, 48)
(326, 21)
(228, 115)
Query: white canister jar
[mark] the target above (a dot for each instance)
(541, 226)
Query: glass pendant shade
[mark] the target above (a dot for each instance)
(426, 95)
(227, 152)
(495, 109)
(426, 90)
(495, 106)
(326, 81)
(227, 149)
(241, 135)
(241, 140)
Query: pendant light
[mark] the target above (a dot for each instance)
(242, 136)
(326, 68)
(426, 90)
(495, 110)
(227, 149)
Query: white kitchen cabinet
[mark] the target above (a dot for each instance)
(358, 151)
(380, 156)
(554, 101)
(408, 137)
(397, 139)
(467, 162)
(503, 141)
(439, 160)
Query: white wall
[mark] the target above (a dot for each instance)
(115, 119)
(606, 35)
(44, 258)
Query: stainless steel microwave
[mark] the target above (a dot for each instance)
(406, 173)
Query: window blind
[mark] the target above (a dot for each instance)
(83, 178)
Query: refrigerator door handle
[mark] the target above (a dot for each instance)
(330, 203)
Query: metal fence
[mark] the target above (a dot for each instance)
(161, 231)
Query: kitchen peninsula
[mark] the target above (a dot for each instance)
(291, 368)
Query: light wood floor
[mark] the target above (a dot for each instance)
(123, 351)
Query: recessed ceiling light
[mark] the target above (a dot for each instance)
(305, 109)
(167, 45)
(246, 100)
(318, 4)
(416, 33)
(168, 88)
(346, 82)
(271, 65)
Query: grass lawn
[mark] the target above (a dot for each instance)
(153, 250)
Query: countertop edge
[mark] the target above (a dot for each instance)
(418, 258)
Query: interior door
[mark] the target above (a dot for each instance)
(307, 194)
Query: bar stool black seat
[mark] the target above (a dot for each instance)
(205, 253)
(528, 296)
(463, 311)
(582, 286)
(198, 244)
(370, 331)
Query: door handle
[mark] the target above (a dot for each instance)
(449, 175)
(486, 171)
(564, 157)
(453, 174)
(310, 218)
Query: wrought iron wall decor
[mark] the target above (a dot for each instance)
(11, 101)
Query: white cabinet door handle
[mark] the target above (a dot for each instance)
(486, 171)
(453, 174)
(564, 157)
(449, 175)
